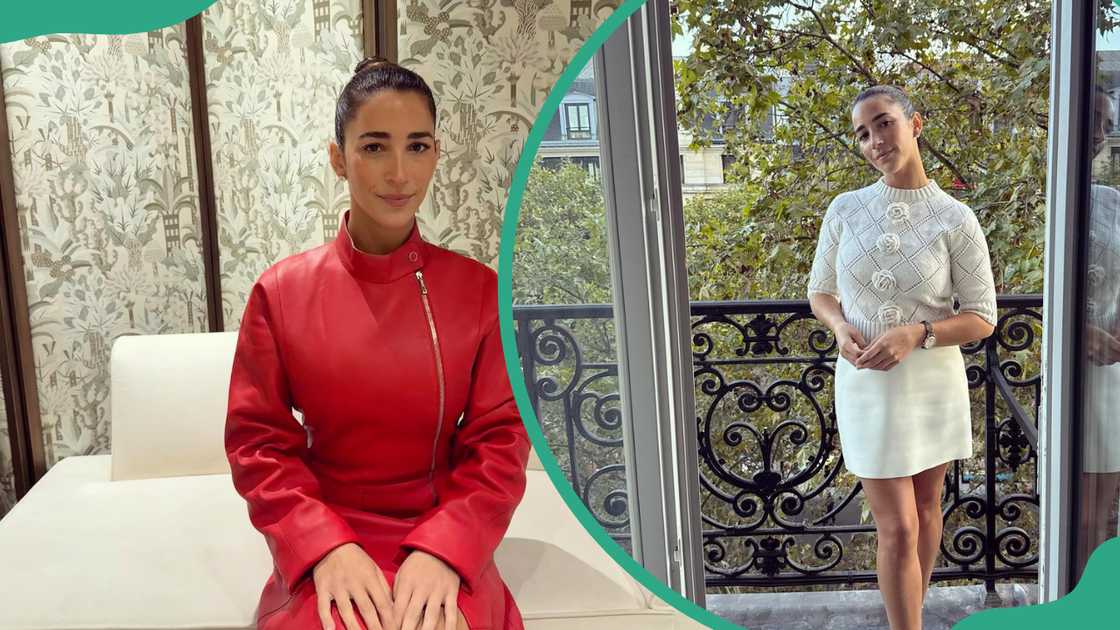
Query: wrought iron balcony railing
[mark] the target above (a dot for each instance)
(778, 506)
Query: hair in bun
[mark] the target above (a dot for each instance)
(372, 62)
(893, 94)
(372, 75)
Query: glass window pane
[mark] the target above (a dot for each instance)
(767, 144)
(565, 319)
(1098, 479)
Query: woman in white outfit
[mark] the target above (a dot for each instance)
(890, 259)
(1100, 472)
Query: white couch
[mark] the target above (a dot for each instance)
(154, 536)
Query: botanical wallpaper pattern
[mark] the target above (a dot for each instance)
(274, 69)
(491, 64)
(107, 202)
(7, 472)
(107, 196)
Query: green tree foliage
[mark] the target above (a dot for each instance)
(561, 253)
(561, 258)
(978, 72)
(789, 71)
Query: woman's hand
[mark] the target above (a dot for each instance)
(890, 348)
(348, 574)
(850, 342)
(425, 583)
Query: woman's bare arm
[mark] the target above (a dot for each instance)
(826, 309)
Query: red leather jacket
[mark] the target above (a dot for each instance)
(410, 436)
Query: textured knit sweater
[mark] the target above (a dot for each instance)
(897, 256)
(1103, 296)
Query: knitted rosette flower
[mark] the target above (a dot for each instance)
(890, 314)
(883, 280)
(888, 243)
(898, 211)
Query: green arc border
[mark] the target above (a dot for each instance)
(115, 17)
(509, 345)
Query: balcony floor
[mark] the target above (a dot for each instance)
(857, 610)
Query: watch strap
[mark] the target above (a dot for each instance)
(929, 333)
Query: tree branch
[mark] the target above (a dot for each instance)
(825, 36)
(963, 38)
(928, 69)
(944, 160)
(829, 133)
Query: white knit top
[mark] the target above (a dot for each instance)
(1103, 297)
(895, 256)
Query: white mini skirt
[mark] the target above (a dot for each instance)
(905, 420)
(1101, 437)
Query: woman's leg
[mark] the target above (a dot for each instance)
(928, 485)
(900, 573)
(1099, 495)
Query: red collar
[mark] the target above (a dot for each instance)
(400, 262)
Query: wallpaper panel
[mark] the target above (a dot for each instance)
(7, 471)
(274, 70)
(491, 64)
(102, 147)
(107, 198)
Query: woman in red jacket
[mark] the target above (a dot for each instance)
(386, 505)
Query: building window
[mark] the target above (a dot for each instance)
(589, 164)
(579, 120)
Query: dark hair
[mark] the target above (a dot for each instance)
(372, 75)
(896, 96)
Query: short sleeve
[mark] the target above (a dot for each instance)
(822, 276)
(971, 269)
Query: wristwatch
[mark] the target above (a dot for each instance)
(930, 340)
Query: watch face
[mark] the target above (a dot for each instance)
(930, 341)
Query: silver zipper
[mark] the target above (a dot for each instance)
(439, 373)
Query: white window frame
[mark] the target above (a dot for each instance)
(1072, 65)
(637, 130)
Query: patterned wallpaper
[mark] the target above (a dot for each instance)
(107, 198)
(7, 472)
(274, 69)
(102, 150)
(491, 64)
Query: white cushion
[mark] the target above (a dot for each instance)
(591, 620)
(169, 397)
(81, 551)
(157, 542)
(552, 565)
(561, 578)
(93, 553)
(534, 460)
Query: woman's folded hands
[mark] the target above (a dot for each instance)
(424, 595)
